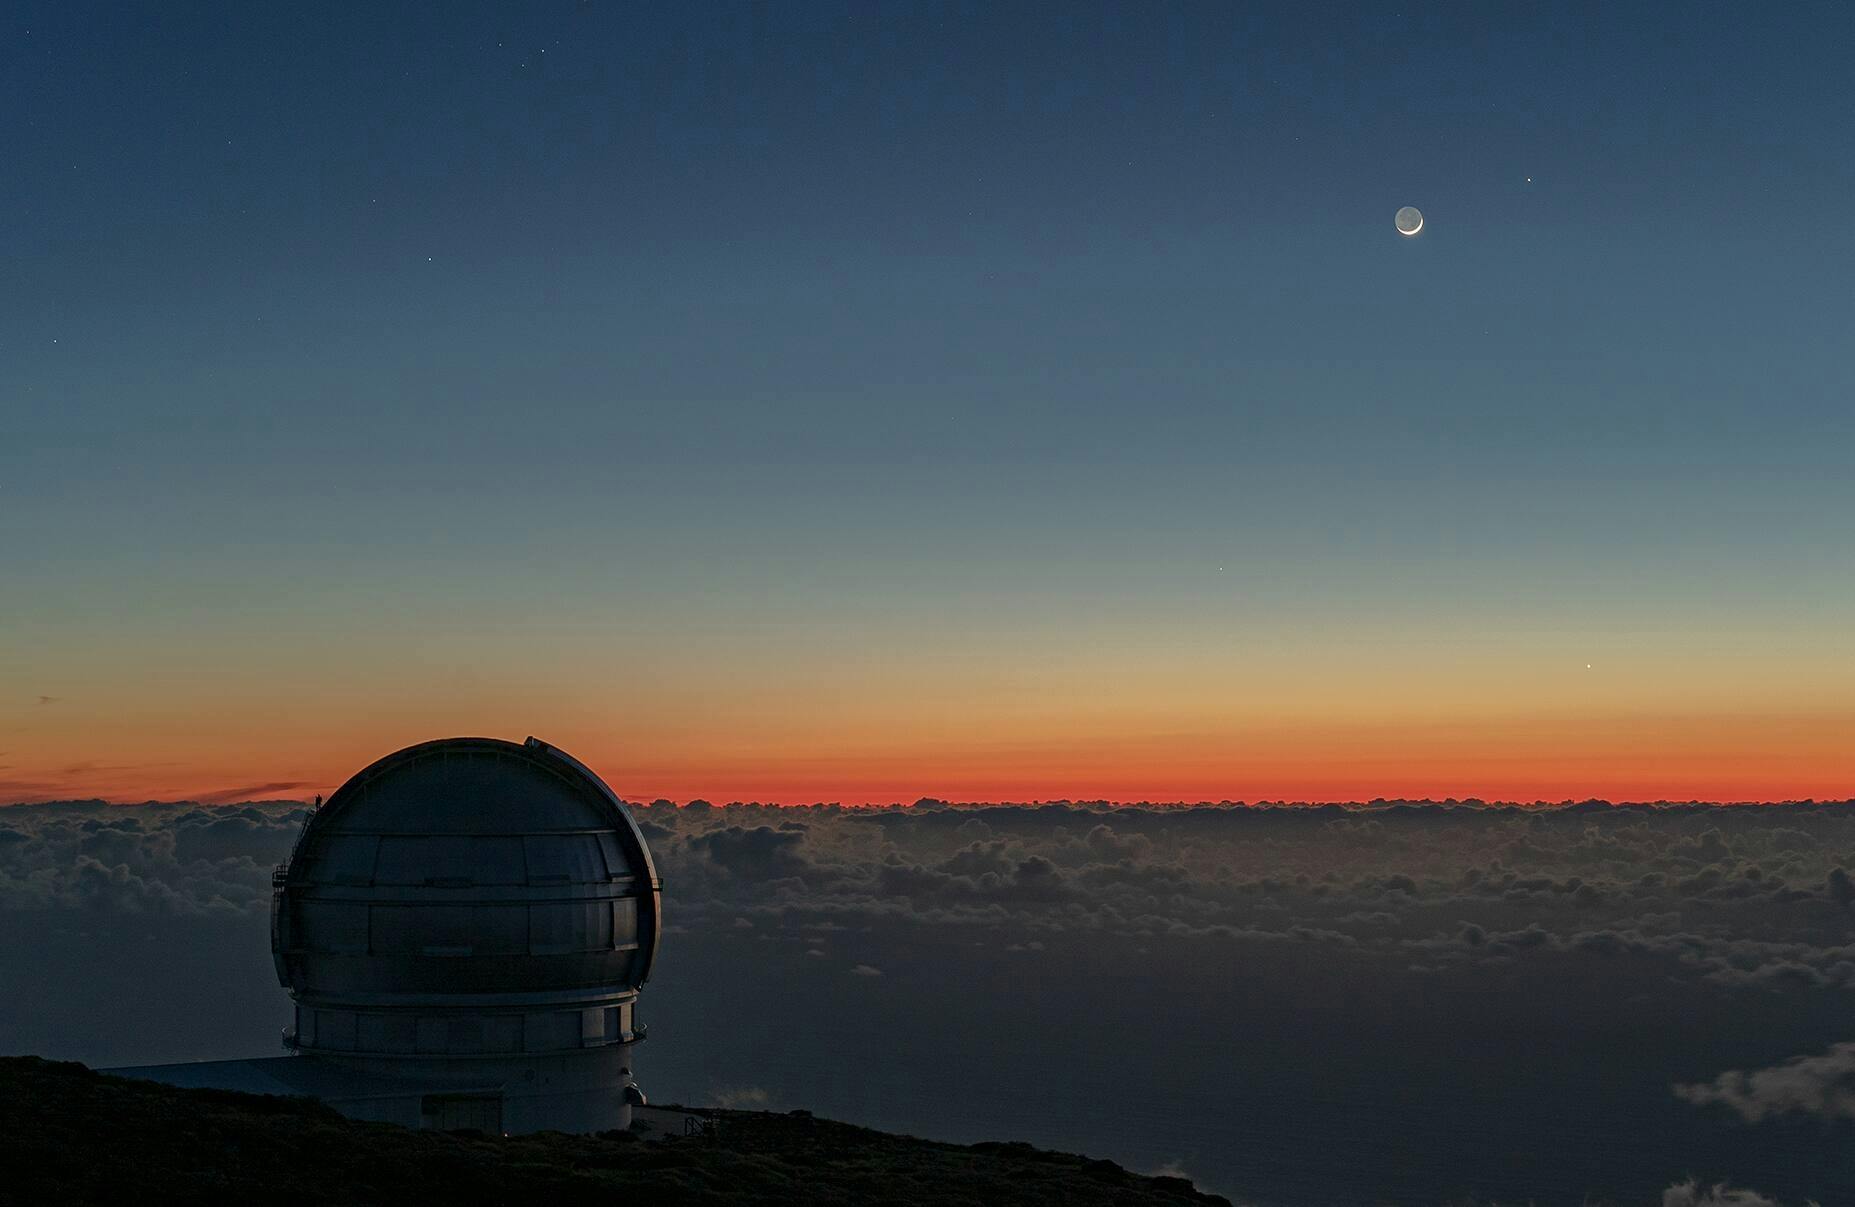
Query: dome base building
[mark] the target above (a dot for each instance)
(464, 927)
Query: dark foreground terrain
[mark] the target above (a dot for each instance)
(68, 1134)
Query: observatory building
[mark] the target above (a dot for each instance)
(464, 928)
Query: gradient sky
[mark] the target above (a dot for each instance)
(860, 402)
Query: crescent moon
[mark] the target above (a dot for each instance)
(1406, 214)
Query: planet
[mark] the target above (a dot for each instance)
(1409, 220)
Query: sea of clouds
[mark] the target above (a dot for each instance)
(1398, 1002)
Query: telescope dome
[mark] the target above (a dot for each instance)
(467, 897)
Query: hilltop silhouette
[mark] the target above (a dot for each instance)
(68, 1134)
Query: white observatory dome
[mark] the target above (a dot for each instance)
(474, 916)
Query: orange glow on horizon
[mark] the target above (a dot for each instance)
(1713, 757)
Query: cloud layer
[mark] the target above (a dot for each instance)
(1757, 897)
(1213, 986)
(163, 859)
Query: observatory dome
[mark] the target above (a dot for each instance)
(466, 901)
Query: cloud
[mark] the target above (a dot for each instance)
(741, 1098)
(866, 970)
(754, 852)
(254, 792)
(1692, 1194)
(45, 700)
(1822, 1086)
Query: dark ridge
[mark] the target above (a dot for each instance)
(69, 1135)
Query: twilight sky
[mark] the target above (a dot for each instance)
(859, 402)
